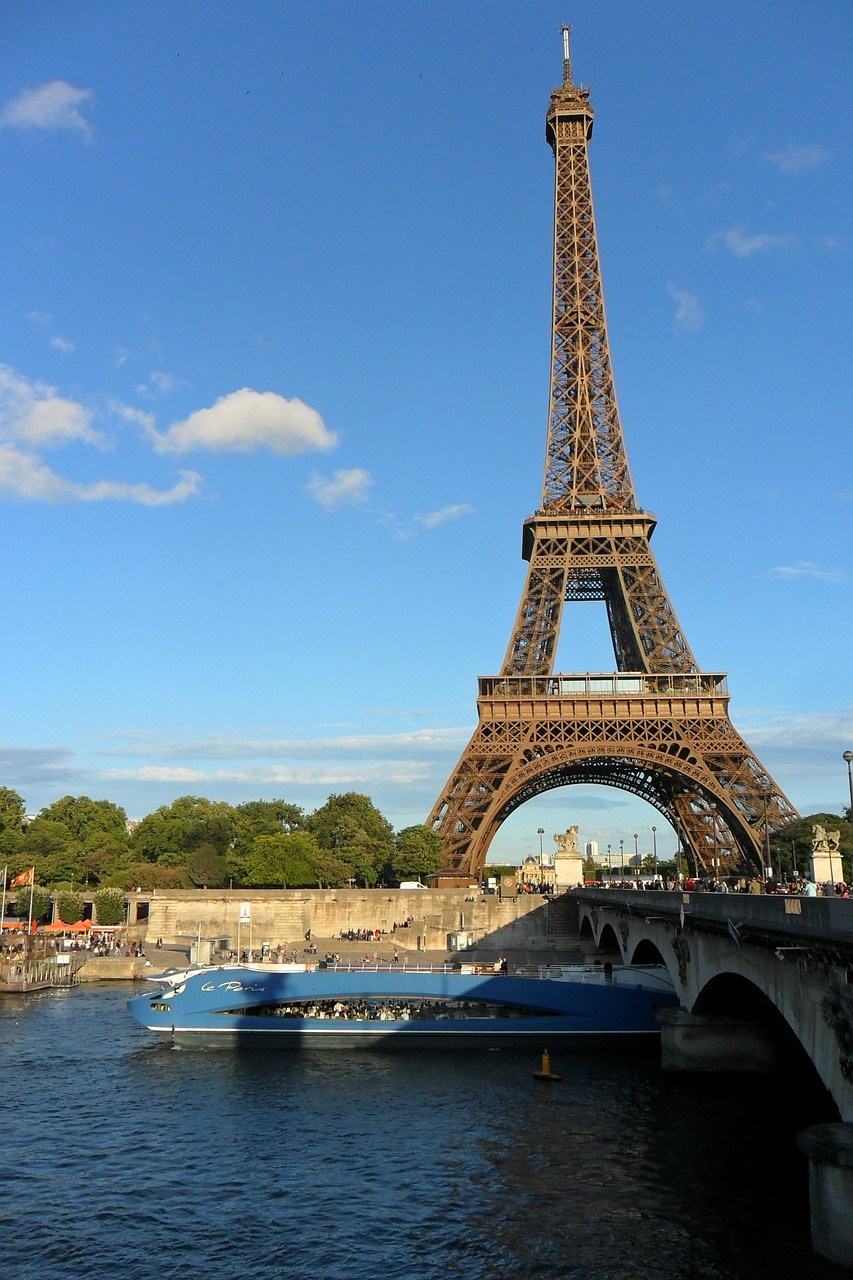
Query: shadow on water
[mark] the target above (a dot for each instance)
(235, 1165)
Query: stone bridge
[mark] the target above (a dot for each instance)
(752, 972)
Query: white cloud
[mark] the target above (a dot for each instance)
(247, 420)
(416, 742)
(796, 157)
(24, 476)
(742, 245)
(445, 514)
(325, 775)
(689, 315)
(63, 345)
(806, 569)
(159, 383)
(811, 731)
(49, 106)
(345, 488)
(32, 413)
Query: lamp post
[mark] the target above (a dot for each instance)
(622, 861)
(609, 865)
(848, 757)
(540, 831)
(768, 869)
(655, 848)
(636, 855)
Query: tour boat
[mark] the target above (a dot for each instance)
(399, 1006)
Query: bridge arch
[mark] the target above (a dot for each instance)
(646, 952)
(608, 942)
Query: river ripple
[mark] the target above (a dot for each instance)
(126, 1156)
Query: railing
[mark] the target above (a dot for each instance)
(620, 684)
(382, 966)
(828, 920)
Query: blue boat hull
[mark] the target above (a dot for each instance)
(237, 1007)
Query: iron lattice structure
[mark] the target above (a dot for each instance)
(657, 727)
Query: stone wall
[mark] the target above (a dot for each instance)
(283, 916)
(111, 968)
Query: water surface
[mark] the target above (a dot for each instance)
(128, 1157)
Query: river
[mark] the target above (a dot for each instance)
(128, 1158)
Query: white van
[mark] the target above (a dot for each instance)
(411, 884)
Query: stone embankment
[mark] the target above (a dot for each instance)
(112, 968)
(412, 920)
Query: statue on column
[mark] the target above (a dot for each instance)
(568, 843)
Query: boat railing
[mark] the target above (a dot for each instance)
(384, 966)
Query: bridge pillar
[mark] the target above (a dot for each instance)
(829, 1148)
(691, 1042)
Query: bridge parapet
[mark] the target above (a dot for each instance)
(818, 924)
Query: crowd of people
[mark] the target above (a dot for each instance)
(798, 886)
(386, 1010)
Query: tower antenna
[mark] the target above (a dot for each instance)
(567, 58)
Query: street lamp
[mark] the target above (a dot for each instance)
(655, 847)
(636, 855)
(609, 865)
(848, 757)
(622, 861)
(540, 831)
(768, 869)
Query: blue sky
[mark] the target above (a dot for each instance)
(273, 398)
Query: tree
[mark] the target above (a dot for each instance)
(11, 810)
(147, 875)
(84, 818)
(76, 837)
(69, 907)
(173, 832)
(206, 867)
(417, 852)
(258, 818)
(110, 906)
(351, 827)
(287, 859)
(267, 818)
(54, 852)
(42, 903)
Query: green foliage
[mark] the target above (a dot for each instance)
(77, 838)
(206, 867)
(285, 860)
(110, 906)
(69, 907)
(258, 818)
(352, 828)
(199, 842)
(170, 834)
(11, 810)
(42, 904)
(147, 875)
(417, 852)
(499, 870)
(85, 818)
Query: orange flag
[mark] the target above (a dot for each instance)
(26, 877)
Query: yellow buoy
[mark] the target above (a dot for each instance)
(546, 1073)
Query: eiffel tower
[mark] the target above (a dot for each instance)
(657, 726)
